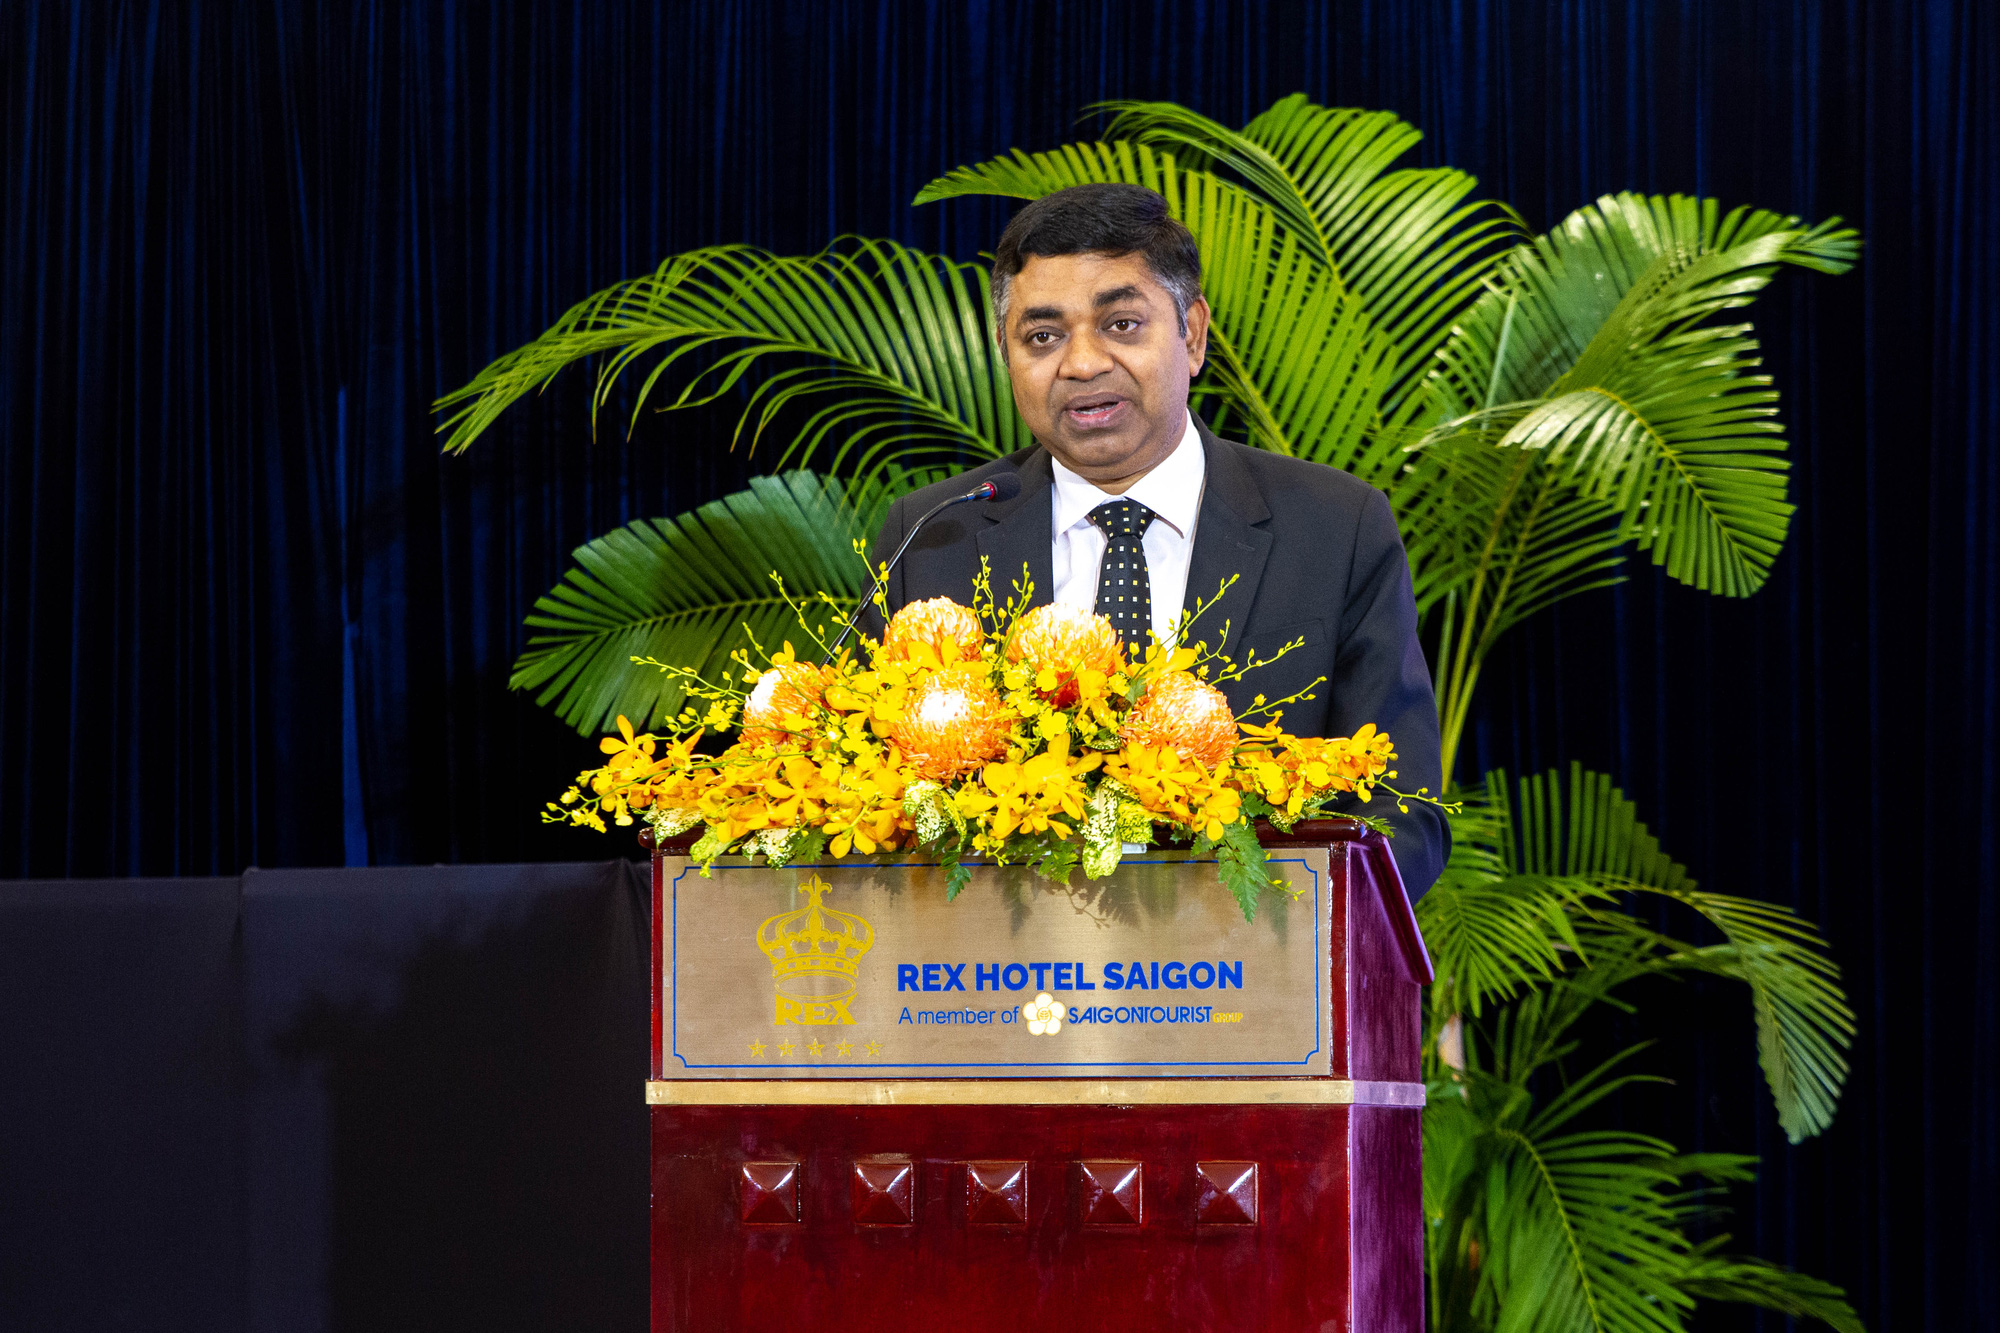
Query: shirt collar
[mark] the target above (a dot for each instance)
(1172, 490)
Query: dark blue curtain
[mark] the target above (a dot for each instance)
(250, 615)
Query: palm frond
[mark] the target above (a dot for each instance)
(1592, 346)
(1804, 1023)
(1024, 175)
(1535, 1225)
(1557, 1232)
(1503, 522)
(1537, 1030)
(1298, 357)
(1492, 934)
(1405, 243)
(889, 345)
(1585, 828)
(1291, 350)
(692, 590)
(1536, 870)
(1490, 938)
(1714, 1276)
(1584, 1236)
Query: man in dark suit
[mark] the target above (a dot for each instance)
(1130, 505)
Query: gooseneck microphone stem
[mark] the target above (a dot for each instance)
(998, 489)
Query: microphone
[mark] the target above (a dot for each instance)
(1003, 487)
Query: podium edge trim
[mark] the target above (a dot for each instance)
(1034, 1092)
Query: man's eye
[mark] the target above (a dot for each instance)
(1124, 325)
(1041, 337)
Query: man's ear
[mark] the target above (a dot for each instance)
(1000, 338)
(1197, 335)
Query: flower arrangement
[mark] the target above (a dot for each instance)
(995, 732)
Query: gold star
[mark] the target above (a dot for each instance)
(815, 1050)
(785, 1049)
(845, 1048)
(756, 1048)
(874, 1048)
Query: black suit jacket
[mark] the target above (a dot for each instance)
(1317, 557)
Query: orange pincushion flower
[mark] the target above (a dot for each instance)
(952, 723)
(1187, 713)
(791, 689)
(936, 621)
(1065, 640)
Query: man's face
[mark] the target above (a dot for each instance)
(1099, 364)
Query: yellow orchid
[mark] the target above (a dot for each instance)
(626, 749)
(837, 769)
(1166, 785)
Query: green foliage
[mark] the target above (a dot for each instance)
(1537, 408)
(1410, 244)
(957, 875)
(1536, 1222)
(887, 347)
(1054, 859)
(692, 590)
(1405, 244)
(1241, 864)
(1588, 402)
(1593, 347)
(1542, 882)
(1542, 1226)
(783, 847)
(1291, 353)
(1534, 411)
(1715, 1276)
(1330, 276)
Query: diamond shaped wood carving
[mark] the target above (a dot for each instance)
(1112, 1193)
(1226, 1193)
(884, 1191)
(996, 1193)
(770, 1192)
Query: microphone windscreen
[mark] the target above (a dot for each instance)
(1005, 486)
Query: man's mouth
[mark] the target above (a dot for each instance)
(1094, 411)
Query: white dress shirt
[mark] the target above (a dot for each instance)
(1172, 490)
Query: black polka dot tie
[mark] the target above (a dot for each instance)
(1124, 592)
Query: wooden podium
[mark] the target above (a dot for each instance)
(858, 1116)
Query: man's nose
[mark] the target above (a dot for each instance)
(1084, 358)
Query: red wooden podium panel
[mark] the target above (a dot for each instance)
(1291, 1215)
(1320, 1173)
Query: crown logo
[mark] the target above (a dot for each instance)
(815, 954)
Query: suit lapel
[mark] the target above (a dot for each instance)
(1018, 533)
(1226, 542)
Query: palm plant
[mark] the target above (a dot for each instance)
(1536, 407)
(1535, 1222)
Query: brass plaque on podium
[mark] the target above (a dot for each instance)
(858, 970)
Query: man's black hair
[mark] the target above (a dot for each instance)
(1101, 219)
